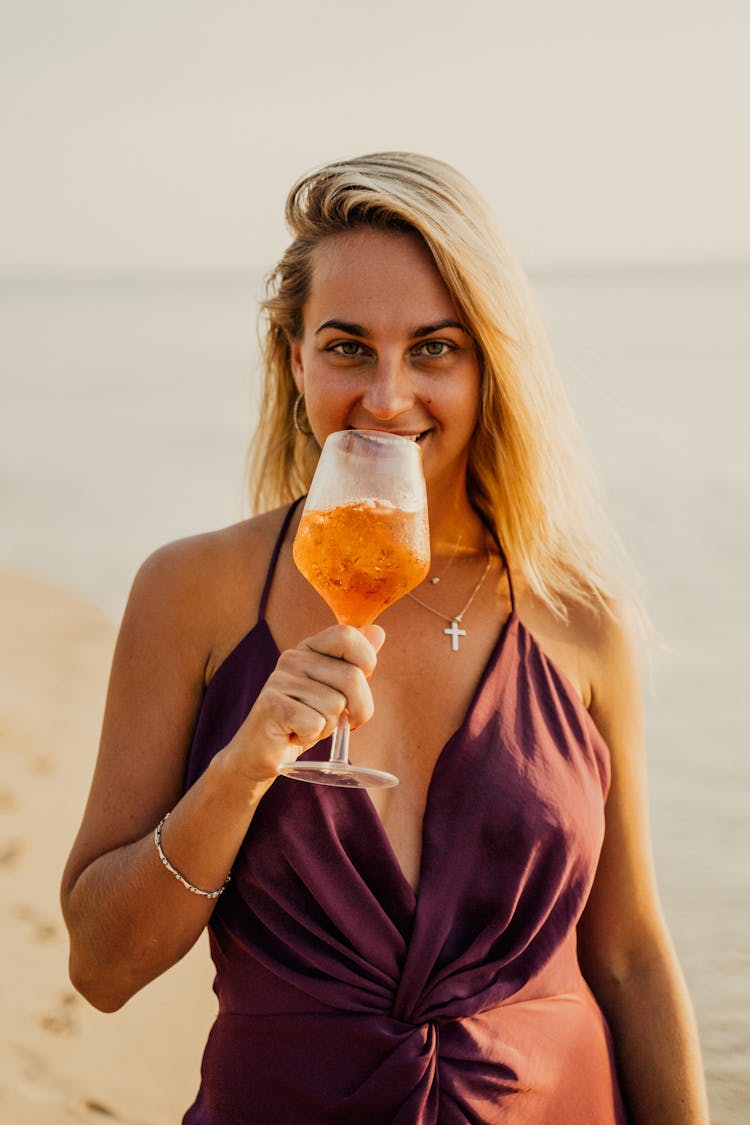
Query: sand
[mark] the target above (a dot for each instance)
(60, 1060)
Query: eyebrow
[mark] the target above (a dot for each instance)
(343, 326)
(418, 333)
(428, 329)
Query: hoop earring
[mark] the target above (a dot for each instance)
(295, 415)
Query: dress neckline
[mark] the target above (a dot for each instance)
(512, 624)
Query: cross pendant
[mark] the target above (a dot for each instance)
(454, 633)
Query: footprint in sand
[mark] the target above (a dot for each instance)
(97, 1108)
(40, 764)
(61, 1019)
(92, 1109)
(11, 852)
(43, 928)
(7, 800)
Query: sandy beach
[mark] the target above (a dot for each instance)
(59, 1059)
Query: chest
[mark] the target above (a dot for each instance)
(423, 686)
(426, 680)
(422, 691)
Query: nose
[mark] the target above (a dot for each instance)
(389, 391)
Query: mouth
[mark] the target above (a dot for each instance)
(416, 437)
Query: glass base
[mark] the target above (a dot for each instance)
(343, 774)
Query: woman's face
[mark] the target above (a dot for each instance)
(383, 348)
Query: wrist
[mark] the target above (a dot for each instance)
(215, 893)
(241, 782)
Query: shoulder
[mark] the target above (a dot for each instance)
(597, 646)
(616, 665)
(212, 555)
(200, 590)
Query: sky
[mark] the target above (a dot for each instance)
(162, 135)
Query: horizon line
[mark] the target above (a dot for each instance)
(229, 276)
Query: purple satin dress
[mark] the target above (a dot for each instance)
(346, 998)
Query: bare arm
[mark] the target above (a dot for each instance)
(625, 950)
(128, 918)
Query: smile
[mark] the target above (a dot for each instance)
(415, 437)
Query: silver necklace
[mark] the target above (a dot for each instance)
(453, 631)
(436, 581)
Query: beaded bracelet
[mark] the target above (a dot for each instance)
(173, 870)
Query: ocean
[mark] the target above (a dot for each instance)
(126, 408)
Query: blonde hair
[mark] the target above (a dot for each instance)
(528, 472)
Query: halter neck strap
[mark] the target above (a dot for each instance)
(275, 557)
(504, 557)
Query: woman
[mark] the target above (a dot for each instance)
(484, 942)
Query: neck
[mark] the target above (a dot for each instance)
(454, 522)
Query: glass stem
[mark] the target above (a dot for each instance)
(340, 741)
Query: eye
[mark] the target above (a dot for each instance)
(434, 348)
(348, 348)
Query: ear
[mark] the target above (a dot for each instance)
(295, 359)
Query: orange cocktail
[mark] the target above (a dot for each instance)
(363, 541)
(362, 557)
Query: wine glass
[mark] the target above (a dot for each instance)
(363, 542)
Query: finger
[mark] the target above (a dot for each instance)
(277, 728)
(306, 721)
(375, 635)
(344, 642)
(326, 683)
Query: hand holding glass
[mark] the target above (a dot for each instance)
(363, 542)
